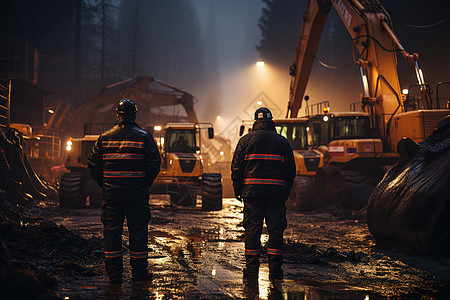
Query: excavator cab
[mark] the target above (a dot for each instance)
(323, 129)
(294, 132)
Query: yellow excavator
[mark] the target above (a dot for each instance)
(358, 147)
(182, 175)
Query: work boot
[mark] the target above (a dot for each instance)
(114, 269)
(251, 269)
(275, 269)
(139, 270)
(276, 290)
(251, 287)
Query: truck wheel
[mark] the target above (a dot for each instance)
(348, 189)
(183, 197)
(69, 191)
(302, 194)
(212, 191)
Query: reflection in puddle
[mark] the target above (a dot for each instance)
(293, 290)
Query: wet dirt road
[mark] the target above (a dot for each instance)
(199, 255)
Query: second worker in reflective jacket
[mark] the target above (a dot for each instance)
(263, 171)
(125, 161)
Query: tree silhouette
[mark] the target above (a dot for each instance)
(280, 24)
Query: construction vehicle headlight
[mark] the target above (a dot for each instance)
(68, 147)
(325, 118)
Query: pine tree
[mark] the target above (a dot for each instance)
(280, 25)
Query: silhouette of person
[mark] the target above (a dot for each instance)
(181, 144)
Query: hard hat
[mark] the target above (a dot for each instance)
(126, 106)
(263, 113)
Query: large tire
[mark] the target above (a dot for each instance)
(70, 195)
(301, 197)
(183, 197)
(347, 188)
(212, 192)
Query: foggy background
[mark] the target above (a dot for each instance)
(209, 48)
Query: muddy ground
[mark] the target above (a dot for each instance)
(199, 255)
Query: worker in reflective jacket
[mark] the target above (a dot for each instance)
(124, 162)
(263, 171)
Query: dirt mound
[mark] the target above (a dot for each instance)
(34, 253)
(410, 207)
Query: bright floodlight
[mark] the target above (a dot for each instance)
(260, 63)
(405, 91)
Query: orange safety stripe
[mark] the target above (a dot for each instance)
(108, 156)
(138, 254)
(111, 254)
(264, 181)
(274, 251)
(252, 252)
(124, 174)
(121, 144)
(264, 156)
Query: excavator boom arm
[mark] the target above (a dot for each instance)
(100, 108)
(370, 27)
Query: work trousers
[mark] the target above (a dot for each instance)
(113, 217)
(273, 211)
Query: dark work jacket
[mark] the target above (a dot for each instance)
(125, 161)
(263, 163)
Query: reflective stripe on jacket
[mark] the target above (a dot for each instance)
(263, 163)
(125, 160)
